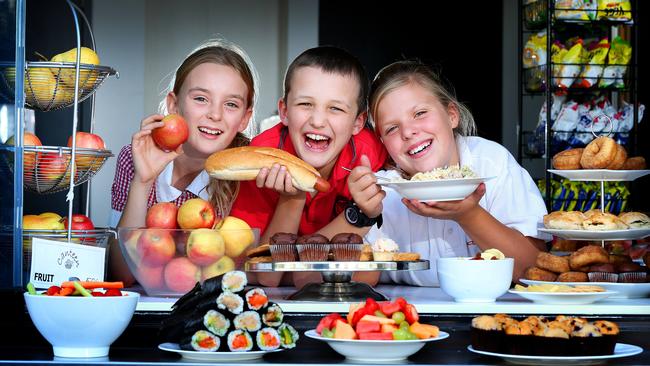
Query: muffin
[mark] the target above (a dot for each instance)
(346, 246)
(283, 247)
(604, 272)
(383, 250)
(313, 248)
(487, 334)
(631, 273)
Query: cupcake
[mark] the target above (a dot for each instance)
(313, 248)
(486, 334)
(631, 273)
(602, 273)
(384, 249)
(346, 246)
(283, 247)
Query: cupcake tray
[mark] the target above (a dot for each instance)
(337, 282)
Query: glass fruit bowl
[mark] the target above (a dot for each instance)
(169, 262)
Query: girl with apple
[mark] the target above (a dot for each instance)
(423, 126)
(214, 91)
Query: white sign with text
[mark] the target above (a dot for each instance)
(54, 262)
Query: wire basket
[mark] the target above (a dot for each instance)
(50, 85)
(47, 168)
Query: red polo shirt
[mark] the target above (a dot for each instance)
(257, 205)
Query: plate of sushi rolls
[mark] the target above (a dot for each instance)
(222, 319)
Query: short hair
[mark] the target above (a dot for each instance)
(331, 60)
(403, 73)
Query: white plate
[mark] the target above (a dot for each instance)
(563, 298)
(621, 350)
(375, 351)
(627, 234)
(600, 174)
(436, 190)
(214, 356)
(623, 290)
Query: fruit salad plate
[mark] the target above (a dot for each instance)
(214, 356)
(621, 350)
(623, 290)
(435, 190)
(375, 350)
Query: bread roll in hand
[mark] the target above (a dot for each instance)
(245, 163)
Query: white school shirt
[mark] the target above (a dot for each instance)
(166, 192)
(511, 197)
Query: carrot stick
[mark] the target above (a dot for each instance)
(91, 284)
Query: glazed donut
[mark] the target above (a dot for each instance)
(538, 274)
(634, 163)
(573, 277)
(619, 159)
(588, 255)
(599, 153)
(568, 159)
(552, 262)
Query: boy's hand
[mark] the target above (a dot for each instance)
(447, 210)
(277, 178)
(148, 159)
(364, 189)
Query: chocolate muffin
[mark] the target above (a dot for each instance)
(631, 273)
(604, 272)
(313, 248)
(283, 247)
(346, 246)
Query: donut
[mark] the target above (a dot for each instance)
(587, 256)
(538, 274)
(634, 163)
(602, 221)
(572, 277)
(564, 220)
(599, 153)
(552, 262)
(568, 159)
(619, 159)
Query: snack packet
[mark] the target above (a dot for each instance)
(597, 56)
(575, 9)
(619, 56)
(535, 51)
(620, 10)
(570, 67)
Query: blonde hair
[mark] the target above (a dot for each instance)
(403, 73)
(222, 193)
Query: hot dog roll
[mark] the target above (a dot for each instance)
(244, 163)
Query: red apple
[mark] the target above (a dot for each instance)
(79, 222)
(181, 275)
(205, 246)
(173, 134)
(156, 247)
(52, 166)
(88, 141)
(29, 158)
(162, 215)
(195, 214)
(151, 278)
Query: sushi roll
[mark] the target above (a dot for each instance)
(288, 336)
(234, 281)
(273, 315)
(201, 341)
(267, 339)
(216, 323)
(239, 341)
(256, 299)
(248, 320)
(231, 302)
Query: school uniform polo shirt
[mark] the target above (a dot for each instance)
(511, 197)
(257, 205)
(161, 191)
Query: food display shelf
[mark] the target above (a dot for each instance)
(337, 284)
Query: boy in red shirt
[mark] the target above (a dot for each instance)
(323, 113)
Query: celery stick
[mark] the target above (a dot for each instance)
(81, 289)
(30, 289)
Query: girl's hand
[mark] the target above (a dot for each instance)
(364, 189)
(278, 179)
(447, 210)
(148, 159)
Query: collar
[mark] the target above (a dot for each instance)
(464, 154)
(165, 192)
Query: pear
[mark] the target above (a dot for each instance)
(41, 88)
(88, 56)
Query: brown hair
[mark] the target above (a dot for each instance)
(222, 192)
(331, 60)
(402, 73)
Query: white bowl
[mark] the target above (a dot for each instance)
(375, 351)
(474, 280)
(436, 190)
(78, 326)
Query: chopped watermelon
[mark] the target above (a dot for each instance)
(411, 314)
(327, 322)
(364, 326)
(388, 308)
